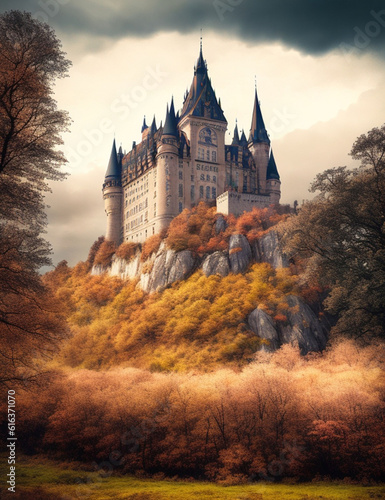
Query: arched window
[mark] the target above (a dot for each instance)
(207, 192)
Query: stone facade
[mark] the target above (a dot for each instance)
(187, 161)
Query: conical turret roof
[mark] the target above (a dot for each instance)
(235, 141)
(258, 132)
(144, 126)
(170, 125)
(113, 169)
(272, 171)
(153, 126)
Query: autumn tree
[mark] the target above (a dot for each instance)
(340, 236)
(31, 60)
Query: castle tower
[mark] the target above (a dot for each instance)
(204, 125)
(113, 196)
(167, 161)
(259, 144)
(273, 183)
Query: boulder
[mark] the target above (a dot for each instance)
(267, 249)
(220, 224)
(216, 263)
(303, 328)
(239, 253)
(169, 266)
(263, 325)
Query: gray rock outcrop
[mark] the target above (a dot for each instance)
(267, 249)
(220, 224)
(240, 254)
(216, 263)
(168, 266)
(263, 325)
(302, 328)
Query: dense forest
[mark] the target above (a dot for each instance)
(174, 383)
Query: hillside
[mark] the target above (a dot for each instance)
(212, 291)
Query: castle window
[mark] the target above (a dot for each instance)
(180, 207)
(167, 186)
(192, 194)
(214, 156)
(214, 178)
(180, 174)
(207, 192)
(208, 155)
(202, 177)
(192, 178)
(180, 190)
(207, 178)
(200, 191)
(214, 193)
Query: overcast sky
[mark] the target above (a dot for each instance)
(319, 66)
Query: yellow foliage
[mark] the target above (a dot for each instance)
(198, 323)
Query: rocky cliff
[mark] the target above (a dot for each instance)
(166, 266)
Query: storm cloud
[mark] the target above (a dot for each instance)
(312, 26)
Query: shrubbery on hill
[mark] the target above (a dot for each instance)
(283, 417)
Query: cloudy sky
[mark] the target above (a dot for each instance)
(319, 65)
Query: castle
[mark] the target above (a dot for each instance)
(187, 161)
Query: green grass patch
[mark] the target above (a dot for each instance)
(41, 479)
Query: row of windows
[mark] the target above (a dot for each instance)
(206, 154)
(137, 208)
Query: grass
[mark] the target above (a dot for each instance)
(41, 479)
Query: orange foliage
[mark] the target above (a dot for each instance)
(150, 246)
(127, 250)
(283, 416)
(104, 255)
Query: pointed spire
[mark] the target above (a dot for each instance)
(113, 169)
(201, 65)
(170, 127)
(243, 141)
(272, 171)
(236, 135)
(201, 99)
(153, 126)
(258, 132)
(144, 126)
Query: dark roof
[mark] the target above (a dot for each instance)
(113, 169)
(201, 100)
(243, 141)
(153, 126)
(258, 132)
(272, 171)
(170, 125)
(144, 126)
(235, 141)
